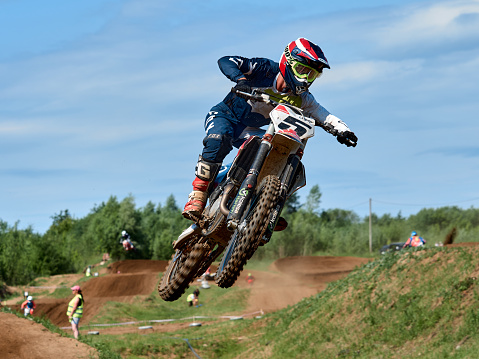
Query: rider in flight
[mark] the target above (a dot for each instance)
(235, 119)
(126, 241)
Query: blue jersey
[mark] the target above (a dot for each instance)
(231, 121)
(262, 73)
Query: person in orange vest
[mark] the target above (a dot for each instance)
(28, 306)
(414, 241)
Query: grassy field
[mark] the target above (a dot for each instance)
(225, 301)
(418, 303)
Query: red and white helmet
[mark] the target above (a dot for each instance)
(301, 63)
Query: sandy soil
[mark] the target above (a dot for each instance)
(287, 282)
(23, 339)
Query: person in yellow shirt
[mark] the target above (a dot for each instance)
(75, 309)
(192, 299)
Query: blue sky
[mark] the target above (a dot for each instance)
(102, 98)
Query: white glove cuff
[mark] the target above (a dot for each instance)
(338, 125)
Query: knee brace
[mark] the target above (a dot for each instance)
(206, 170)
(217, 147)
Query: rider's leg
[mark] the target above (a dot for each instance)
(217, 144)
(205, 174)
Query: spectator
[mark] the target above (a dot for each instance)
(28, 306)
(414, 241)
(192, 299)
(250, 279)
(75, 309)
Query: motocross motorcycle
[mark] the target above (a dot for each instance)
(244, 209)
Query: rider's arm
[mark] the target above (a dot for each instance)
(237, 67)
(321, 115)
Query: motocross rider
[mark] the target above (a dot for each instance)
(235, 119)
(126, 241)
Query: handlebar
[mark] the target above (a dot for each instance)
(261, 96)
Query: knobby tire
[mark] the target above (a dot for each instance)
(242, 246)
(181, 271)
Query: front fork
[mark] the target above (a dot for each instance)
(286, 180)
(246, 190)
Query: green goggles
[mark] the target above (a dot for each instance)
(305, 72)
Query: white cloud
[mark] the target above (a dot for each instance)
(354, 74)
(432, 22)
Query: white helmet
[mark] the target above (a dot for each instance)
(29, 297)
(123, 233)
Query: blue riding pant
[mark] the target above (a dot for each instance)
(223, 131)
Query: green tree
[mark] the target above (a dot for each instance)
(313, 200)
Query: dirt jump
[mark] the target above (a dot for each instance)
(287, 281)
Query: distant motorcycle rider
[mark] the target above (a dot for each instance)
(28, 306)
(414, 241)
(235, 119)
(126, 241)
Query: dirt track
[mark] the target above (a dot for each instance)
(288, 281)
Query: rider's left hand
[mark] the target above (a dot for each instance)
(242, 85)
(347, 138)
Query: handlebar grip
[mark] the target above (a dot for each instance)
(254, 96)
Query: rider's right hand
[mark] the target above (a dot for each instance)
(242, 85)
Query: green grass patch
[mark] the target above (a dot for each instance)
(214, 301)
(387, 307)
(222, 339)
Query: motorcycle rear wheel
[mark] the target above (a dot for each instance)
(243, 245)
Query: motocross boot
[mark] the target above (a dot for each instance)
(196, 199)
(205, 174)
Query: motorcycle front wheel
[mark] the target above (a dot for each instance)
(245, 241)
(181, 271)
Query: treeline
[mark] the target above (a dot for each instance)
(70, 244)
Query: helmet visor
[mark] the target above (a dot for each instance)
(305, 72)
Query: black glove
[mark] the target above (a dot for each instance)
(242, 85)
(347, 138)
